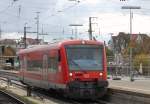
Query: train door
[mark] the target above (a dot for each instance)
(54, 68)
(57, 68)
(44, 81)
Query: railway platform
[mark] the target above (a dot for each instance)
(139, 85)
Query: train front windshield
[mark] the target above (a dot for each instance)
(85, 57)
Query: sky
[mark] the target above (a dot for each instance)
(56, 15)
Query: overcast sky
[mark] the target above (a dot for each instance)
(56, 15)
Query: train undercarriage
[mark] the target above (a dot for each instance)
(87, 90)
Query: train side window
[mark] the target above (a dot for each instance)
(52, 64)
(53, 60)
(34, 65)
(55, 63)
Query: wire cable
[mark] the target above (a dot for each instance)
(5, 9)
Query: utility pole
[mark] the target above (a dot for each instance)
(43, 33)
(72, 31)
(0, 32)
(130, 54)
(37, 22)
(24, 39)
(1, 27)
(90, 28)
(25, 33)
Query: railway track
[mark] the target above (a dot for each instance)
(6, 98)
(54, 96)
(64, 100)
(102, 102)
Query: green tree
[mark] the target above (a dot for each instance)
(109, 52)
(144, 60)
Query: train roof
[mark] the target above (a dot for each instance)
(57, 45)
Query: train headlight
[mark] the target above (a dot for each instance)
(83, 42)
(70, 74)
(101, 74)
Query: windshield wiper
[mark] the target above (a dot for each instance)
(76, 64)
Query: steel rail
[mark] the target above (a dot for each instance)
(12, 97)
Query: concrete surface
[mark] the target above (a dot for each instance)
(140, 84)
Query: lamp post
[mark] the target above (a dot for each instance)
(130, 54)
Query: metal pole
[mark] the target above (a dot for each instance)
(37, 26)
(29, 91)
(72, 31)
(90, 29)
(0, 32)
(42, 32)
(76, 32)
(130, 54)
(131, 71)
(25, 45)
(25, 35)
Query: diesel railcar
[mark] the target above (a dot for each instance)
(75, 67)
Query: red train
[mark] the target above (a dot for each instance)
(75, 67)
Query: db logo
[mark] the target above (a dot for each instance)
(86, 75)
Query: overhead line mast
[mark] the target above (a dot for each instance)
(37, 22)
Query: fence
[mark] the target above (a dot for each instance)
(121, 66)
